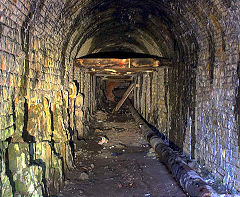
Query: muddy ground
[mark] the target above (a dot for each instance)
(125, 166)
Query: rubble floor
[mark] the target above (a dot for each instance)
(125, 166)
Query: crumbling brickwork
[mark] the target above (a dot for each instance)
(36, 143)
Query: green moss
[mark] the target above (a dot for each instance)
(8, 129)
(29, 181)
(6, 186)
(18, 154)
(3, 145)
(20, 186)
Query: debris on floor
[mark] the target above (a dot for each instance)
(115, 154)
(103, 140)
(119, 166)
(98, 131)
(84, 176)
(151, 153)
(101, 116)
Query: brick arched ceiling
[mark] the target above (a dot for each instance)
(157, 27)
(150, 27)
(185, 30)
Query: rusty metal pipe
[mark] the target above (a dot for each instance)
(189, 180)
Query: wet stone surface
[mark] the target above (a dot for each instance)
(124, 165)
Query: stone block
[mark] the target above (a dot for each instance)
(28, 182)
(72, 90)
(59, 130)
(79, 124)
(39, 120)
(19, 115)
(79, 101)
(33, 123)
(6, 133)
(43, 151)
(68, 156)
(5, 186)
(56, 174)
(71, 113)
(46, 121)
(3, 64)
(18, 154)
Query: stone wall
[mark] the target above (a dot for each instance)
(86, 85)
(217, 130)
(149, 99)
(203, 126)
(201, 91)
(38, 101)
(165, 98)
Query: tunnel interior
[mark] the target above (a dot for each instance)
(182, 58)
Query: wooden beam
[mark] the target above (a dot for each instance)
(122, 67)
(127, 63)
(126, 94)
(116, 70)
(117, 80)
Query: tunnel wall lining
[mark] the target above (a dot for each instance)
(199, 95)
(39, 99)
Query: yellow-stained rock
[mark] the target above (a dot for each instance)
(43, 152)
(79, 128)
(79, 115)
(65, 98)
(28, 182)
(71, 113)
(19, 122)
(59, 131)
(79, 101)
(7, 132)
(72, 96)
(18, 154)
(7, 122)
(45, 120)
(56, 172)
(6, 188)
(72, 90)
(3, 66)
(33, 123)
(39, 120)
(65, 111)
(61, 149)
(69, 156)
